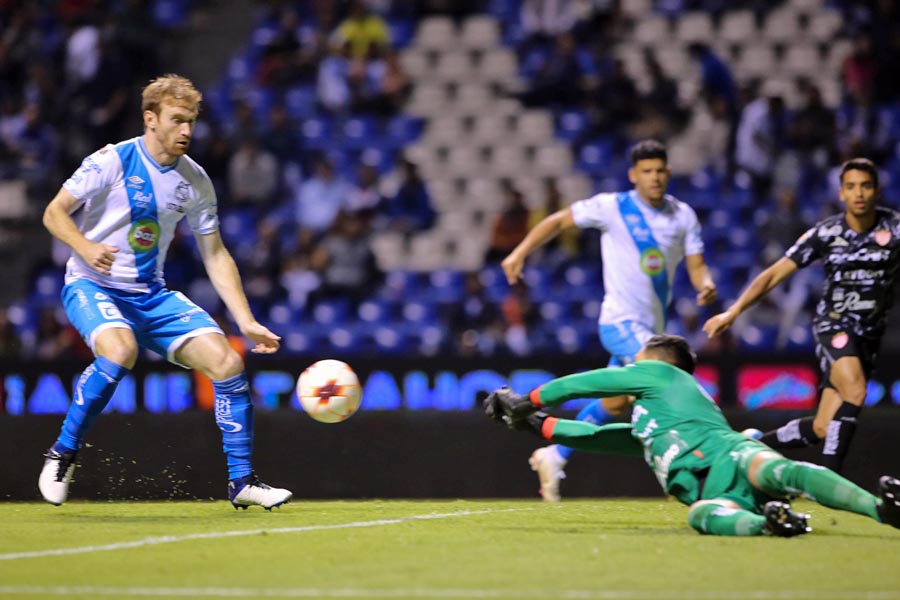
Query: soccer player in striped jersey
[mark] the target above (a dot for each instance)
(734, 485)
(645, 233)
(131, 196)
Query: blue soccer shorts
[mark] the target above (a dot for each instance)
(624, 340)
(161, 320)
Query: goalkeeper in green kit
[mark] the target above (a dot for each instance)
(734, 485)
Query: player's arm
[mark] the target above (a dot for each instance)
(58, 221)
(701, 279)
(547, 229)
(761, 285)
(223, 273)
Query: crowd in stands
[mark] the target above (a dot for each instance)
(304, 140)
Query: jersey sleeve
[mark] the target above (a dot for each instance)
(693, 239)
(806, 249)
(633, 380)
(203, 214)
(594, 212)
(97, 172)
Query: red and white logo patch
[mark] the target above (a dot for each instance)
(840, 340)
(882, 237)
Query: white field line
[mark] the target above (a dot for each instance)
(170, 539)
(462, 593)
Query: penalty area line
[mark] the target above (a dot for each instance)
(448, 593)
(171, 539)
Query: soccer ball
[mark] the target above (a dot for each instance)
(329, 391)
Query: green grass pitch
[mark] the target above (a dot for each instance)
(579, 549)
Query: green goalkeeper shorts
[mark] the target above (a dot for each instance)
(725, 479)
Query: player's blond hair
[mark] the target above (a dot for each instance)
(171, 88)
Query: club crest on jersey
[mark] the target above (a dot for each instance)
(839, 340)
(882, 237)
(143, 235)
(652, 261)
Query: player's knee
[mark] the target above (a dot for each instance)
(229, 365)
(123, 352)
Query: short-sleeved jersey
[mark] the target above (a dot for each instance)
(629, 289)
(682, 430)
(133, 203)
(860, 269)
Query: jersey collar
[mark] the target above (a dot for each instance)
(159, 167)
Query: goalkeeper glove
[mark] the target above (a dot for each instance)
(507, 406)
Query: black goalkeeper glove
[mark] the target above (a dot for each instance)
(507, 406)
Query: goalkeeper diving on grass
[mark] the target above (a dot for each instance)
(734, 486)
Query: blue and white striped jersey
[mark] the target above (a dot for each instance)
(133, 203)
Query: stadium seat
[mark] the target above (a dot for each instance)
(317, 134)
(570, 124)
(330, 312)
(300, 102)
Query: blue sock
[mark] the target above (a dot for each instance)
(234, 416)
(592, 413)
(92, 393)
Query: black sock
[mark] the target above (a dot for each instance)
(840, 433)
(794, 434)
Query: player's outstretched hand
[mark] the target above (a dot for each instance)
(707, 295)
(266, 341)
(719, 323)
(507, 406)
(512, 267)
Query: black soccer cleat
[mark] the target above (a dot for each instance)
(889, 508)
(781, 521)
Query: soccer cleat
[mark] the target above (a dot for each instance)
(56, 475)
(889, 508)
(250, 491)
(781, 521)
(752, 433)
(550, 470)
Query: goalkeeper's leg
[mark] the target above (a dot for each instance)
(778, 476)
(724, 517)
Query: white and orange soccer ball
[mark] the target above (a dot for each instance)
(329, 391)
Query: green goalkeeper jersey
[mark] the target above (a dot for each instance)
(681, 429)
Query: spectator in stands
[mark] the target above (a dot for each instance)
(812, 131)
(361, 30)
(281, 137)
(261, 266)
(320, 198)
(557, 76)
(408, 208)
(33, 150)
(544, 20)
(860, 68)
(475, 322)
(616, 105)
(864, 125)
(297, 276)
(520, 314)
(395, 83)
(345, 259)
(704, 142)
(253, 175)
(10, 342)
(760, 139)
(57, 341)
(364, 198)
(510, 226)
(660, 112)
(280, 61)
(716, 80)
(333, 89)
(564, 247)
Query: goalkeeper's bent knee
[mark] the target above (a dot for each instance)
(722, 518)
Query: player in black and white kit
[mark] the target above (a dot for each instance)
(860, 250)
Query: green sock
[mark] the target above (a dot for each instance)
(714, 519)
(614, 438)
(780, 476)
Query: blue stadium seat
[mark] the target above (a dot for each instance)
(402, 130)
(358, 133)
(375, 310)
(401, 285)
(300, 101)
(570, 124)
(331, 312)
(419, 313)
(596, 157)
(555, 312)
(444, 286)
(758, 338)
(390, 341)
(316, 134)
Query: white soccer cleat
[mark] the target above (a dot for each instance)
(255, 493)
(549, 466)
(752, 433)
(56, 475)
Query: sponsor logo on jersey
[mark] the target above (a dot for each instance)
(142, 200)
(850, 301)
(839, 241)
(135, 181)
(182, 192)
(827, 232)
(882, 237)
(144, 235)
(653, 261)
(839, 340)
(100, 296)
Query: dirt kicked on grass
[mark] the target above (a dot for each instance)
(585, 549)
